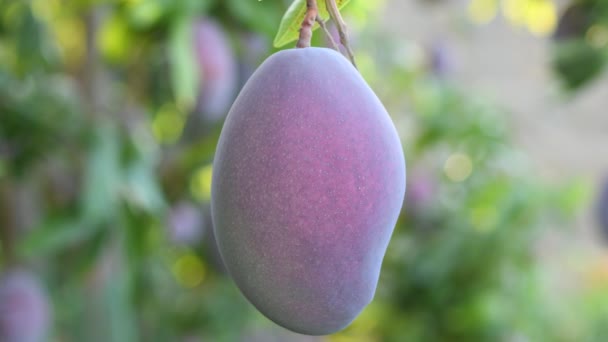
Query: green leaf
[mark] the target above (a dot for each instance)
(145, 14)
(56, 236)
(259, 16)
(142, 188)
(289, 29)
(574, 196)
(577, 63)
(103, 176)
(191, 6)
(117, 302)
(184, 75)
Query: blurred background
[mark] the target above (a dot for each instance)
(110, 111)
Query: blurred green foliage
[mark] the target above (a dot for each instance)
(96, 133)
(581, 43)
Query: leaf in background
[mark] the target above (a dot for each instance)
(574, 21)
(145, 14)
(118, 303)
(54, 237)
(115, 39)
(573, 196)
(143, 189)
(258, 15)
(140, 159)
(123, 323)
(184, 76)
(192, 6)
(103, 176)
(577, 63)
(289, 29)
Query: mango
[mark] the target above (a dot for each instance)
(308, 182)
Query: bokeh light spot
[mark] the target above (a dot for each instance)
(114, 41)
(482, 11)
(597, 36)
(515, 11)
(364, 12)
(541, 17)
(189, 271)
(145, 13)
(168, 124)
(200, 185)
(70, 36)
(45, 8)
(484, 218)
(458, 167)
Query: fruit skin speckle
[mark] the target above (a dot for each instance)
(308, 183)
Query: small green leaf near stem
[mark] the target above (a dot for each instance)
(289, 29)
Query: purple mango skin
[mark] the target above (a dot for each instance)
(308, 182)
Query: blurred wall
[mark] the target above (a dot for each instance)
(564, 136)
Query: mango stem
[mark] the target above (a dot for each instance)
(309, 20)
(328, 34)
(334, 12)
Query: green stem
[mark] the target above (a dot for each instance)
(328, 34)
(334, 12)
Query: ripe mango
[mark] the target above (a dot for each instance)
(308, 182)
